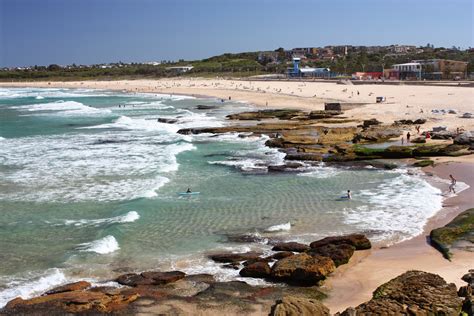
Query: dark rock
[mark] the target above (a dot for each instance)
(206, 107)
(359, 241)
(251, 261)
(443, 135)
(133, 279)
(377, 133)
(247, 238)
(371, 122)
(234, 266)
(281, 255)
(466, 138)
(315, 115)
(302, 269)
(291, 246)
(164, 277)
(339, 253)
(305, 156)
(234, 257)
(76, 286)
(298, 306)
(461, 228)
(412, 293)
(256, 270)
(167, 120)
(410, 122)
(150, 278)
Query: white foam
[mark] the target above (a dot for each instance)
(154, 191)
(39, 97)
(128, 123)
(130, 217)
(399, 206)
(62, 108)
(279, 227)
(29, 287)
(76, 167)
(39, 93)
(102, 246)
(321, 172)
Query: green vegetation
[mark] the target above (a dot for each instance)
(237, 65)
(460, 228)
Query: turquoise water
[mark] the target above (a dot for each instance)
(89, 184)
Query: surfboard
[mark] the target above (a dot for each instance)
(188, 193)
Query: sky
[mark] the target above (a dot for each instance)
(43, 32)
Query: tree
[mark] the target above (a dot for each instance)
(54, 67)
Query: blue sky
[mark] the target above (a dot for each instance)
(93, 31)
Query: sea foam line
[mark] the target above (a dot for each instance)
(102, 246)
(130, 217)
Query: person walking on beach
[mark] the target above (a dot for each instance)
(453, 184)
(403, 140)
(408, 137)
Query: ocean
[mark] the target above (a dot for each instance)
(89, 183)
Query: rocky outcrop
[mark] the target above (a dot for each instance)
(256, 270)
(410, 122)
(339, 253)
(423, 163)
(72, 302)
(370, 122)
(302, 269)
(316, 115)
(412, 293)
(291, 246)
(358, 241)
(150, 278)
(466, 138)
(281, 255)
(282, 114)
(377, 133)
(235, 257)
(466, 292)
(297, 306)
(76, 286)
(457, 233)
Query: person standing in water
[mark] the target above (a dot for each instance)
(408, 137)
(453, 184)
(349, 195)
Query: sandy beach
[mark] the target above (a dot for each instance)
(402, 101)
(354, 283)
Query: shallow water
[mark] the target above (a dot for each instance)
(89, 188)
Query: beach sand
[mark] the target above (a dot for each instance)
(403, 101)
(354, 283)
